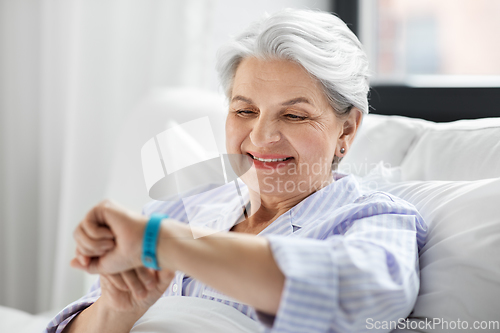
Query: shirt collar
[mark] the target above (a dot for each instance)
(342, 190)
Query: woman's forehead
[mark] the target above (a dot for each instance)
(283, 80)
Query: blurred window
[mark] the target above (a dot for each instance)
(429, 42)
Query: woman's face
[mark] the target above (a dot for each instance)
(279, 116)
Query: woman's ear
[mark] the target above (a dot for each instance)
(350, 125)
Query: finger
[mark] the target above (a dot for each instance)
(107, 285)
(118, 282)
(95, 267)
(95, 225)
(75, 263)
(147, 277)
(104, 281)
(134, 284)
(89, 246)
(83, 259)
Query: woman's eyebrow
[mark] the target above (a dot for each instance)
(294, 101)
(297, 101)
(242, 99)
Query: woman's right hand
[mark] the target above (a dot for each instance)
(125, 297)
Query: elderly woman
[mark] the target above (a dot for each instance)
(312, 253)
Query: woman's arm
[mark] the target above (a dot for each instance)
(369, 272)
(98, 318)
(238, 265)
(241, 266)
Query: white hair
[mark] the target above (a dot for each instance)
(320, 42)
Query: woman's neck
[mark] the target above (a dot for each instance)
(264, 209)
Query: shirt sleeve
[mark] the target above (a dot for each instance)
(346, 282)
(63, 318)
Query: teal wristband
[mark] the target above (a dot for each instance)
(150, 241)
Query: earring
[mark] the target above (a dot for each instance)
(342, 150)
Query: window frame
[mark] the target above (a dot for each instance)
(439, 104)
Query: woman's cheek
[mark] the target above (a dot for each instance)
(231, 136)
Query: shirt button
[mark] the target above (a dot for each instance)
(175, 287)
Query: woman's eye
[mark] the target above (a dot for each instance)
(245, 112)
(294, 117)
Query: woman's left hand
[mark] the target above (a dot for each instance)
(134, 291)
(109, 240)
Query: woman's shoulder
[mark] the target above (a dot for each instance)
(365, 189)
(378, 196)
(384, 203)
(344, 198)
(346, 194)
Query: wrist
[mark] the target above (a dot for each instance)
(172, 236)
(110, 313)
(136, 255)
(99, 317)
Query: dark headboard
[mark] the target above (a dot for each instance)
(436, 104)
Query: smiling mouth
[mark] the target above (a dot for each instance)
(269, 159)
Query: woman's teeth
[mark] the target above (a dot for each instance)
(270, 159)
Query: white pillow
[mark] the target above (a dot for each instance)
(455, 151)
(194, 314)
(381, 138)
(460, 263)
(13, 320)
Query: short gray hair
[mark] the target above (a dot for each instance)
(320, 42)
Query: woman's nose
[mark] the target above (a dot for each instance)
(265, 132)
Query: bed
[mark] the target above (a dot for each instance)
(449, 171)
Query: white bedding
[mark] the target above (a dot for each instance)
(193, 314)
(169, 314)
(12, 320)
